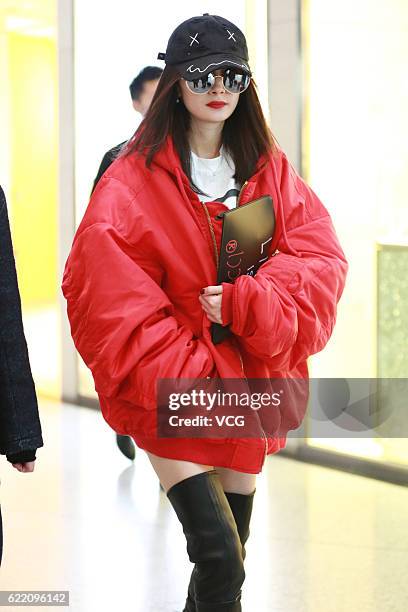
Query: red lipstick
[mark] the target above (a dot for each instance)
(216, 104)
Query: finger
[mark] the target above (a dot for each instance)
(213, 314)
(28, 466)
(206, 303)
(210, 308)
(211, 300)
(212, 290)
(212, 318)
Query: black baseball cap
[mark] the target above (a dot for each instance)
(205, 43)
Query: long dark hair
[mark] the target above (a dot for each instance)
(245, 134)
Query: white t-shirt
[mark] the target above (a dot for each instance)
(216, 177)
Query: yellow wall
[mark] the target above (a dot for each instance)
(29, 174)
(33, 194)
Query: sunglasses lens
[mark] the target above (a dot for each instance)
(202, 84)
(236, 82)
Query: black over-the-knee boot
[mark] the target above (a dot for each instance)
(241, 506)
(213, 542)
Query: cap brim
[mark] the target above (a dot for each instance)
(203, 65)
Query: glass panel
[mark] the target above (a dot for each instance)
(355, 132)
(393, 311)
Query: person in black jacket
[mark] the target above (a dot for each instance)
(20, 427)
(142, 90)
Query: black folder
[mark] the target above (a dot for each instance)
(247, 233)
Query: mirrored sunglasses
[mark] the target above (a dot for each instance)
(234, 82)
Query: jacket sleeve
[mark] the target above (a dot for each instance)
(287, 311)
(20, 427)
(122, 322)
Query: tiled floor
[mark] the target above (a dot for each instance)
(88, 521)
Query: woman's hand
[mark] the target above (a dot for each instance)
(210, 300)
(24, 467)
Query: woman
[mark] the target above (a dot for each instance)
(20, 428)
(148, 245)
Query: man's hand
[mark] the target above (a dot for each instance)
(24, 467)
(210, 300)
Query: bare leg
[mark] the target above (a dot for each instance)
(236, 482)
(171, 471)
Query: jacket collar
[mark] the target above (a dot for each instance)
(168, 159)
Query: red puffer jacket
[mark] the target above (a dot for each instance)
(143, 251)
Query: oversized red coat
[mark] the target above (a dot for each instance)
(143, 251)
